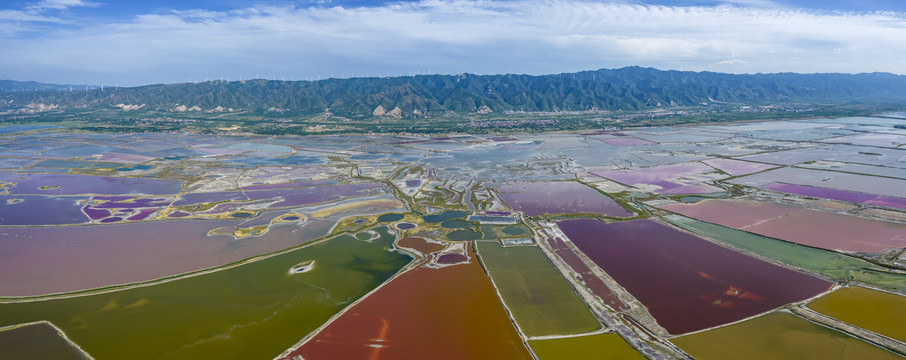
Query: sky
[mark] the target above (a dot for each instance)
(131, 43)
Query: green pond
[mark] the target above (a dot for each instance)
(540, 299)
(463, 235)
(390, 217)
(253, 311)
(456, 224)
(495, 232)
(591, 347)
(825, 262)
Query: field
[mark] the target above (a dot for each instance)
(541, 301)
(779, 336)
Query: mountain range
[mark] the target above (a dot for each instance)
(628, 89)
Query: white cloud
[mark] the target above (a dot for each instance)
(59, 5)
(534, 36)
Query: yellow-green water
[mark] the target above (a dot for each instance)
(591, 347)
(540, 299)
(778, 336)
(253, 311)
(873, 310)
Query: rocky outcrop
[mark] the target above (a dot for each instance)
(129, 107)
(396, 112)
(379, 111)
(41, 107)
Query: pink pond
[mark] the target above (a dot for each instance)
(687, 283)
(559, 197)
(737, 167)
(627, 141)
(840, 195)
(44, 260)
(802, 226)
(688, 178)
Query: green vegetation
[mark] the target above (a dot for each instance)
(778, 335)
(833, 264)
(256, 310)
(629, 88)
(631, 96)
(540, 299)
(591, 347)
(868, 309)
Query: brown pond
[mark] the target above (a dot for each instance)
(447, 313)
(419, 244)
(686, 282)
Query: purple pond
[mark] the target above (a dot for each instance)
(840, 195)
(559, 197)
(66, 184)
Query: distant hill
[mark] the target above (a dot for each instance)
(629, 88)
(11, 85)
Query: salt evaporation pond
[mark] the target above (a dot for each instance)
(590, 347)
(840, 195)
(781, 336)
(252, 311)
(626, 141)
(826, 179)
(38, 340)
(802, 226)
(47, 260)
(315, 194)
(687, 283)
(67, 184)
(540, 300)
(689, 178)
(41, 210)
(447, 313)
(737, 167)
(873, 310)
(559, 197)
(419, 244)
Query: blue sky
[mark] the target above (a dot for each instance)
(144, 42)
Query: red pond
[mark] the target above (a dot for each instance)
(687, 283)
(447, 313)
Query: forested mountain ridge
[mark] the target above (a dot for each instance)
(627, 89)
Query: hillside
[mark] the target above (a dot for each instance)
(627, 89)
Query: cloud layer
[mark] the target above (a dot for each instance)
(523, 36)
